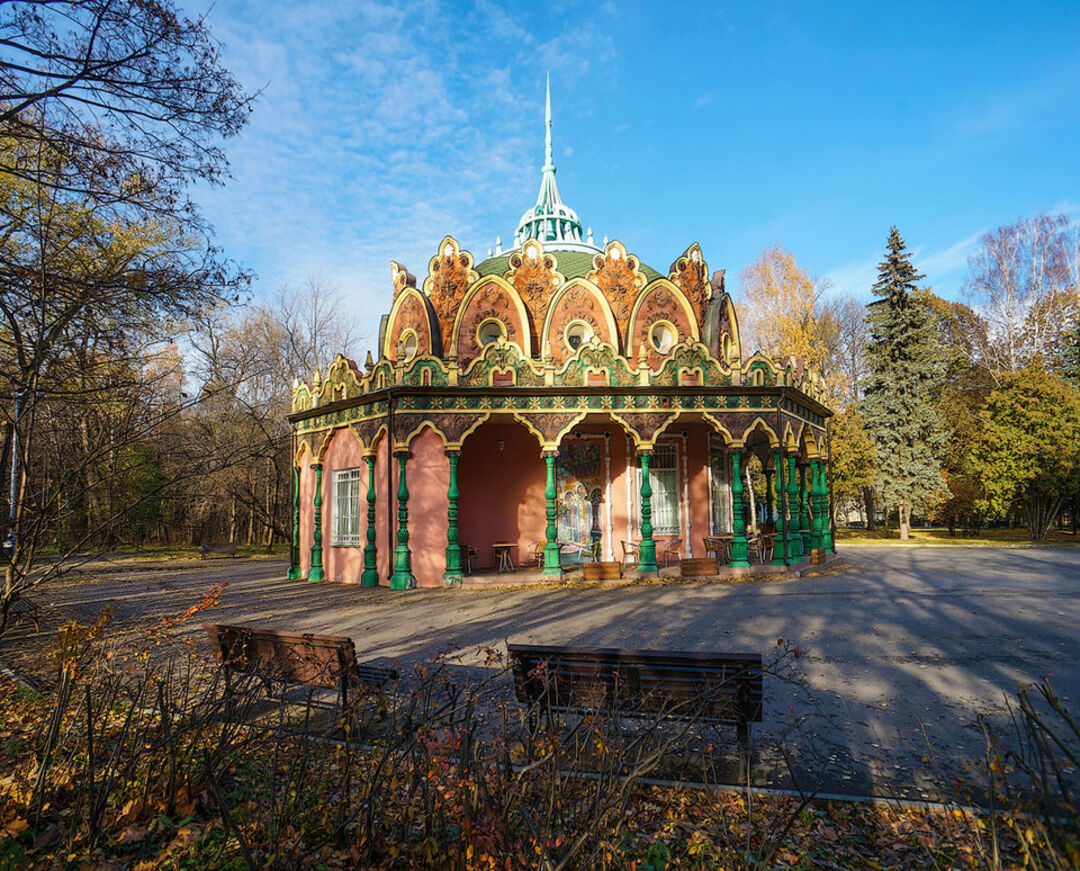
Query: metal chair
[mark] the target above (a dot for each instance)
(671, 549)
(536, 555)
(629, 553)
(470, 557)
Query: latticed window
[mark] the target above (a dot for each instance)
(664, 479)
(347, 508)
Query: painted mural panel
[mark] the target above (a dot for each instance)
(581, 485)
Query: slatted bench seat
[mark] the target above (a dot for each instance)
(705, 567)
(322, 661)
(703, 687)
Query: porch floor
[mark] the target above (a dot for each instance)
(487, 578)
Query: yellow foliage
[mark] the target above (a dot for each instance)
(781, 314)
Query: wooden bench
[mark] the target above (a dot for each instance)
(699, 687)
(323, 661)
(602, 571)
(224, 548)
(699, 568)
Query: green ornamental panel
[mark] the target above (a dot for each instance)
(316, 571)
(768, 496)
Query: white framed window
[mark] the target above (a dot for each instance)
(346, 508)
(664, 480)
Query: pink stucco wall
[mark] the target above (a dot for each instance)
(502, 479)
(700, 520)
(428, 475)
(385, 502)
(342, 564)
(307, 493)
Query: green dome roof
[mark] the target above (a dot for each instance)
(572, 264)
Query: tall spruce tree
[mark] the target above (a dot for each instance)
(905, 376)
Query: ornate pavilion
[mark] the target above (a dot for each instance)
(554, 394)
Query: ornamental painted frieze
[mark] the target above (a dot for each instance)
(690, 273)
(645, 426)
(551, 427)
(450, 274)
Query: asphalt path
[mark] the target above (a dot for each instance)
(901, 647)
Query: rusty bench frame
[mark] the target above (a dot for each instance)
(683, 685)
(306, 659)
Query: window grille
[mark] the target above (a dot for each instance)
(347, 508)
(664, 480)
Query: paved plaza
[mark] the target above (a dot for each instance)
(904, 646)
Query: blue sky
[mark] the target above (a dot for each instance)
(382, 127)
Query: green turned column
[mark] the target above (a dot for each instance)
(647, 548)
(453, 549)
(815, 504)
(402, 578)
(370, 576)
(794, 529)
(768, 496)
(739, 553)
(552, 552)
(826, 521)
(804, 511)
(316, 571)
(294, 546)
(781, 544)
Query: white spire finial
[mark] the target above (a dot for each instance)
(549, 155)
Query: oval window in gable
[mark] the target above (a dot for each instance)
(490, 331)
(663, 336)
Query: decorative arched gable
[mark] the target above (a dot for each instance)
(729, 345)
(579, 302)
(690, 273)
(491, 300)
(450, 273)
(660, 303)
(343, 380)
(413, 327)
(534, 274)
(619, 277)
